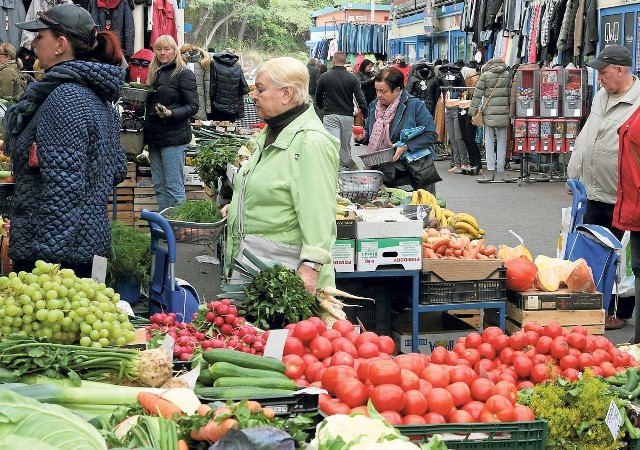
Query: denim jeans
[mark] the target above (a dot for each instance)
(166, 171)
(499, 134)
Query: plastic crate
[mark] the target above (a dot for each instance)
(434, 289)
(484, 436)
(377, 158)
(134, 95)
(359, 185)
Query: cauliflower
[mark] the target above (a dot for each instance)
(341, 432)
(388, 445)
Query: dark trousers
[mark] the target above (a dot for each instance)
(81, 270)
(600, 213)
(469, 131)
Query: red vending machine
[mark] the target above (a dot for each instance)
(571, 131)
(533, 135)
(574, 102)
(558, 144)
(546, 135)
(520, 136)
(527, 88)
(550, 92)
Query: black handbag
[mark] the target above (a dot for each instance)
(423, 171)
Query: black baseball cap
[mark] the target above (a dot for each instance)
(70, 20)
(612, 54)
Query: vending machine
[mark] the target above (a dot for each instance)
(527, 88)
(574, 101)
(571, 131)
(550, 92)
(558, 144)
(520, 136)
(533, 135)
(546, 135)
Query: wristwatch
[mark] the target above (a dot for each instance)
(314, 265)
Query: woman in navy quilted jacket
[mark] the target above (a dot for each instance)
(168, 129)
(64, 140)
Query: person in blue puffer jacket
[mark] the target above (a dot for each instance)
(64, 140)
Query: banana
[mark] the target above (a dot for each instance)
(469, 219)
(481, 231)
(427, 198)
(438, 213)
(447, 212)
(415, 198)
(342, 201)
(468, 229)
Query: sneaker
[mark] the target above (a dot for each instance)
(454, 168)
(614, 323)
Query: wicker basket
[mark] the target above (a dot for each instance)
(359, 185)
(377, 158)
(193, 232)
(134, 95)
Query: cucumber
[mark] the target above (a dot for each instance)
(230, 393)
(243, 359)
(272, 383)
(224, 369)
(205, 376)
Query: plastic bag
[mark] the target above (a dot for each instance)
(565, 227)
(626, 279)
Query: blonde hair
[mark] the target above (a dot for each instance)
(287, 72)
(8, 49)
(163, 41)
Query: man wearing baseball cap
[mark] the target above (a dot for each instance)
(595, 156)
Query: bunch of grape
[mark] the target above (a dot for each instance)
(54, 303)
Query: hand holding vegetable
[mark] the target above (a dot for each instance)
(309, 277)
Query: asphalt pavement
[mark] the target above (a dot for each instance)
(530, 209)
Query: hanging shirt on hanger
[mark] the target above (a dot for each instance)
(164, 20)
(116, 16)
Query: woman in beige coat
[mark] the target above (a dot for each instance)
(11, 83)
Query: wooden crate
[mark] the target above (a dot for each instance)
(124, 200)
(130, 180)
(592, 319)
(473, 317)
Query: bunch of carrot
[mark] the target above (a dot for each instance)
(225, 418)
(452, 245)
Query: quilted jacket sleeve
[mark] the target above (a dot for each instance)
(189, 94)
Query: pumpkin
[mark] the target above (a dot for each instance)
(547, 280)
(521, 273)
(581, 278)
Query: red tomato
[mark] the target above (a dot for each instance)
(580, 329)
(293, 346)
(320, 326)
(506, 390)
(413, 362)
(351, 336)
(386, 344)
(462, 373)
(301, 382)
(599, 356)
(484, 364)
(571, 374)
(608, 369)
(425, 387)
(342, 359)
(525, 385)
(577, 340)
(312, 369)
(305, 330)
(367, 336)
(472, 355)
(473, 340)
(368, 350)
(451, 359)
(532, 337)
(409, 381)
(481, 389)
(487, 351)
(459, 348)
(499, 342)
(414, 403)
(440, 401)
(384, 372)
(343, 344)
(435, 418)
(507, 355)
(363, 368)
(597, 371)
(357, 130)
(327, 361)
(621, 359)
(489, 333)
(316, 384)
(321, 347)
(533, 326)
(559, 349)
(413, 420)
(474, 408)
(522, 413)
(387, 397)
(294, 366)
(352, 392)
(568, 362)
(497, 409)
(586, 360)
(343, 326)
(461, 416)
(506, 377)
(308, 358)
(552, 329)
(393, 417)
(460, 392)
(334, 374)
(523, 365)
(337, 408)
(438, 355)
(361, 410)
(331, 334)
(437, 375)
(602, 342)
(518, 340)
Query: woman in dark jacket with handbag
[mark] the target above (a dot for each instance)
(167, 128)
(393, 111)
(365, 75)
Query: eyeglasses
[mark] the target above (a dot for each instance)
(55, 25)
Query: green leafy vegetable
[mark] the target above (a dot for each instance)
(130, 254)
(198, 211)
(212, 159)
(50, 424)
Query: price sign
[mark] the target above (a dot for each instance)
(613, 419)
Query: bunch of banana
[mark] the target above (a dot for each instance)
(422, 197)
(467, 225)
(341, 204)
(445, 215)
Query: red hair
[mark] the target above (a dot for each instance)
(106, 47)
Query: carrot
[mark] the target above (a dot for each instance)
(203, 409)
(225, 426)
(490, 250)
(440, 250)
(481, 256)
(425, 235)
(426, 244)
(254, 406)
(440, 243)
(206, 433)
(475, 250)
(155, 405)
(182, 445)
(269, 413)
(448, 252)
(454, 244)
(223, 411)
(428, 252)
(457, 253)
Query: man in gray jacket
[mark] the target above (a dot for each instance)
(595, 156)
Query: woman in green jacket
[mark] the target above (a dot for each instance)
(284, 200)
(11, 84)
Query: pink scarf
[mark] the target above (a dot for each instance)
(380, 138)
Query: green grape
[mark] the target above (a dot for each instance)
(53, 303)
(85, 341)
(27, 309)
(72, 314)
(36, 326)
(96, 345)
(66, 323)
(5, 329)
(24, 299)
(7, 320)
(46, 332)
(22, 274)
(109, 292)
(123, 317)
(108, 317)
(12, 275)
(54, 327)
(51, 294)
(17, 322)
(2, 300)
(104, 342)
(85, 328)
(56, 279)
(78, 320)
(104, 333)
(37, 296)
(116, 332)
(47, 285)
(121, 340)
(13, 310)
(26, 327)
(90, 318)
(57, 336)
(41, 304)
(82, 311)
(94, 335)
(62, 290)
(68, 283)
(84, 301)
(129, 335)
(42, 315)
(97, 325)
(27, 319)
(116, 298)
(52, 316)
(10, 301)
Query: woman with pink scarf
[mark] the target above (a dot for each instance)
(395, 110)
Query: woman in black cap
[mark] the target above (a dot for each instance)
(64, 140)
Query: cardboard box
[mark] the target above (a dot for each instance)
(403, 229)
(191, 178)
(463, 269)
(561, 299)
(404, 252)
(343, 254)
(437, 329)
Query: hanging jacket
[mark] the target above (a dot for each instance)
(60, 208)
(424, 85)
(491, 18)
(116, 16)
(164, 20)
(35, 7)
(139, 66)
(494, 82)
(12, 12)
(179, 94)
(227, 83)
(626, 214)
(565, 38)
(201, 63)
(451, 76)
(590, 42)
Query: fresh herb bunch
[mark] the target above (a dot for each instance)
(198, 211)
(212, 159)
(130, 254)
(575, 412)
(276, 297)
